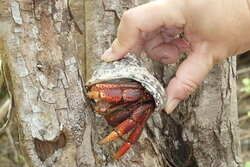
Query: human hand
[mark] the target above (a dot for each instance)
(213, 30)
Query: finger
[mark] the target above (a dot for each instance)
(144, 18)
(170, 33)
(160, 37)
(147, 36)
(182, 44)
(151, 44)
(165, 53)
(189, 75)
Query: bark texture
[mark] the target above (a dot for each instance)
(47, 49)
(47, 85)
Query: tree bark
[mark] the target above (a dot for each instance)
(51, 50)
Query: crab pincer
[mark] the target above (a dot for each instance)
(116, 93)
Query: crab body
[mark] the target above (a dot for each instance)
(126, 107)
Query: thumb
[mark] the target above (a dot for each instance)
(189, 75)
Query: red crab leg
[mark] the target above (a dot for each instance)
(108, 95)
(128, 124)
(105, 108)
(116, 95)
(134, 136)
(118, 116)
(132, 94)
(103, 86)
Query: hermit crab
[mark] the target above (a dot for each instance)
(126, 94)
(125, 106)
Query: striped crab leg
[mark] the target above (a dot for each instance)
(137, 122)
(132, 139)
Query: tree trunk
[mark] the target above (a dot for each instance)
(50, 46)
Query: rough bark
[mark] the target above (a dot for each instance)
(47, 86)
(47, 48)
(209, 121)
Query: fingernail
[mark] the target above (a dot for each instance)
(108, 55)
(171, 105)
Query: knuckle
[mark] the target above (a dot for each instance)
(187, 86)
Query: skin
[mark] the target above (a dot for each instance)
(213, 30)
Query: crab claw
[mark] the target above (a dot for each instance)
(102, 86)
(116, 95)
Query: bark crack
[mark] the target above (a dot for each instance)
(232, 143)
(34, 5)
(110, 10)
(78, 29)
(228, 78)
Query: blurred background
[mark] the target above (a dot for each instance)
(243, 93)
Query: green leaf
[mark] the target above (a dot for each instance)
(247, 164)
(247, 89)
(246, 81)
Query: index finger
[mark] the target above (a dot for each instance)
(145, 18)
